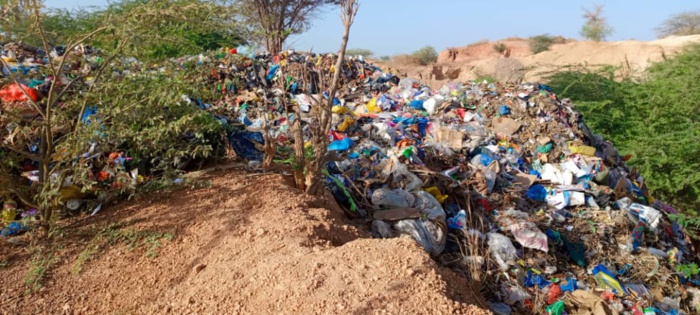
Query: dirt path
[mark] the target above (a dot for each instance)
(245, 245)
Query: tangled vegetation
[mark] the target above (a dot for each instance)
(655, 120)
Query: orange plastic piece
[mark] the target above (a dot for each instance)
(13, 93)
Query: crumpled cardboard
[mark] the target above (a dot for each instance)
(582, 302)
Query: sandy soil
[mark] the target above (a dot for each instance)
(480, 59)
(245, 245)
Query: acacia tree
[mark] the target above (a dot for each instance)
(273, 21)
(56, 126)
(686, 23)
(596, 27)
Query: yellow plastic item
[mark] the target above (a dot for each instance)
(340, 110)
(372, 106)
(8, 215)
(436, 193)
(582, 149)
(345, 124)
(71, 192)
(308, 145)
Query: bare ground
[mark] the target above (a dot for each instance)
(481, 59)
(245, 245)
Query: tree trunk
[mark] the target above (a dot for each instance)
(314, 179)
(299, 158)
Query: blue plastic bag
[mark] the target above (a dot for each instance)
(12, 229)
(537, 192)
(505, 110)
(244, 144)
(340, 145)
(416, 104)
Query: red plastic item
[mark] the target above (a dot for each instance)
(554, 293)
(608, 296)
(13, 93)
(337, 135)
(233, 51)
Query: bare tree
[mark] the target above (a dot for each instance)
(324, 75)
(686, 23)
(273, 21)
(596, 27)
(348, 11)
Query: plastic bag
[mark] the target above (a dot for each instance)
(400, 172)
(458, 222)
(528, 235)
(501, 249)
(427, 204)
(605, 279)
(13, 93)
(396, 198)
(648, 215)
(340, 145)
(426, 233)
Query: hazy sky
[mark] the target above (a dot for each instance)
(390, 27)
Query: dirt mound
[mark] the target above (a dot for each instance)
(482, 60)
(247, 244)
(517, 48)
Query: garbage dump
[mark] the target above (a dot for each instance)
(503, 179)
(504, 182)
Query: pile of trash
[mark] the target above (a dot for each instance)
(504, 181)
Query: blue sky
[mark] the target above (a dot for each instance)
(390, 27)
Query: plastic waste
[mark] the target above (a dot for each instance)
(500, 308)
(605, 279)
(14, 93)
(340, 145)
(557, 308)
(13, 228)
(501, 249)
(428, 205)
(650, 216)
(458, 222)
(396, 198)
(426, 233)
(515, 295)
(528, 235)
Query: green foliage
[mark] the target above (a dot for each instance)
(385, 58)
(38, 267)
(140, 110)
(359, 52)
(688, 270)
(425, 55)
(596, 27)
(499, 47)
(655, 120)
(540, 43)
(686, 23)
(113, 235)
(487, 78)
(155, 30)
(690, 221)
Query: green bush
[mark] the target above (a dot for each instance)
(499, 47)
(656, 120)
(540, 43)
(425, 55)
(359, 52)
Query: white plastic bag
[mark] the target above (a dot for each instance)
(396, 198)
(501, 249)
